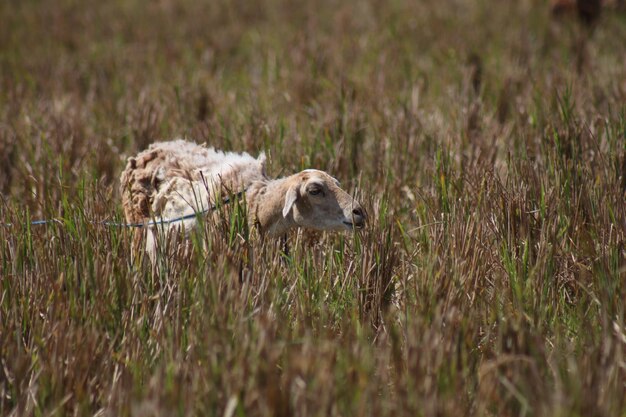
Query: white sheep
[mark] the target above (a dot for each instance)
(174, 179)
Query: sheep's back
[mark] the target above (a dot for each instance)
(173, 179)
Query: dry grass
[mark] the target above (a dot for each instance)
(487, 140)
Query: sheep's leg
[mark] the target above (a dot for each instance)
(151, 249)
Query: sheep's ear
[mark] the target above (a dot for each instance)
(290, 199)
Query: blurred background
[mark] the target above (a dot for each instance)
(354, 87)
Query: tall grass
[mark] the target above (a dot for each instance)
(489, 152)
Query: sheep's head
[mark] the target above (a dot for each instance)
(314, 200)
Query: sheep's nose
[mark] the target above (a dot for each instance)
(358, 217)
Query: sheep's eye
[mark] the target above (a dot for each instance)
(315, 191)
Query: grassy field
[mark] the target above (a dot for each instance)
(487, 141)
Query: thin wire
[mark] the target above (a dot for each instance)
(138, 225)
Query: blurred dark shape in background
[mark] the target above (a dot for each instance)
(587, 11)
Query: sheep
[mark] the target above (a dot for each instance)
(174, 179)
